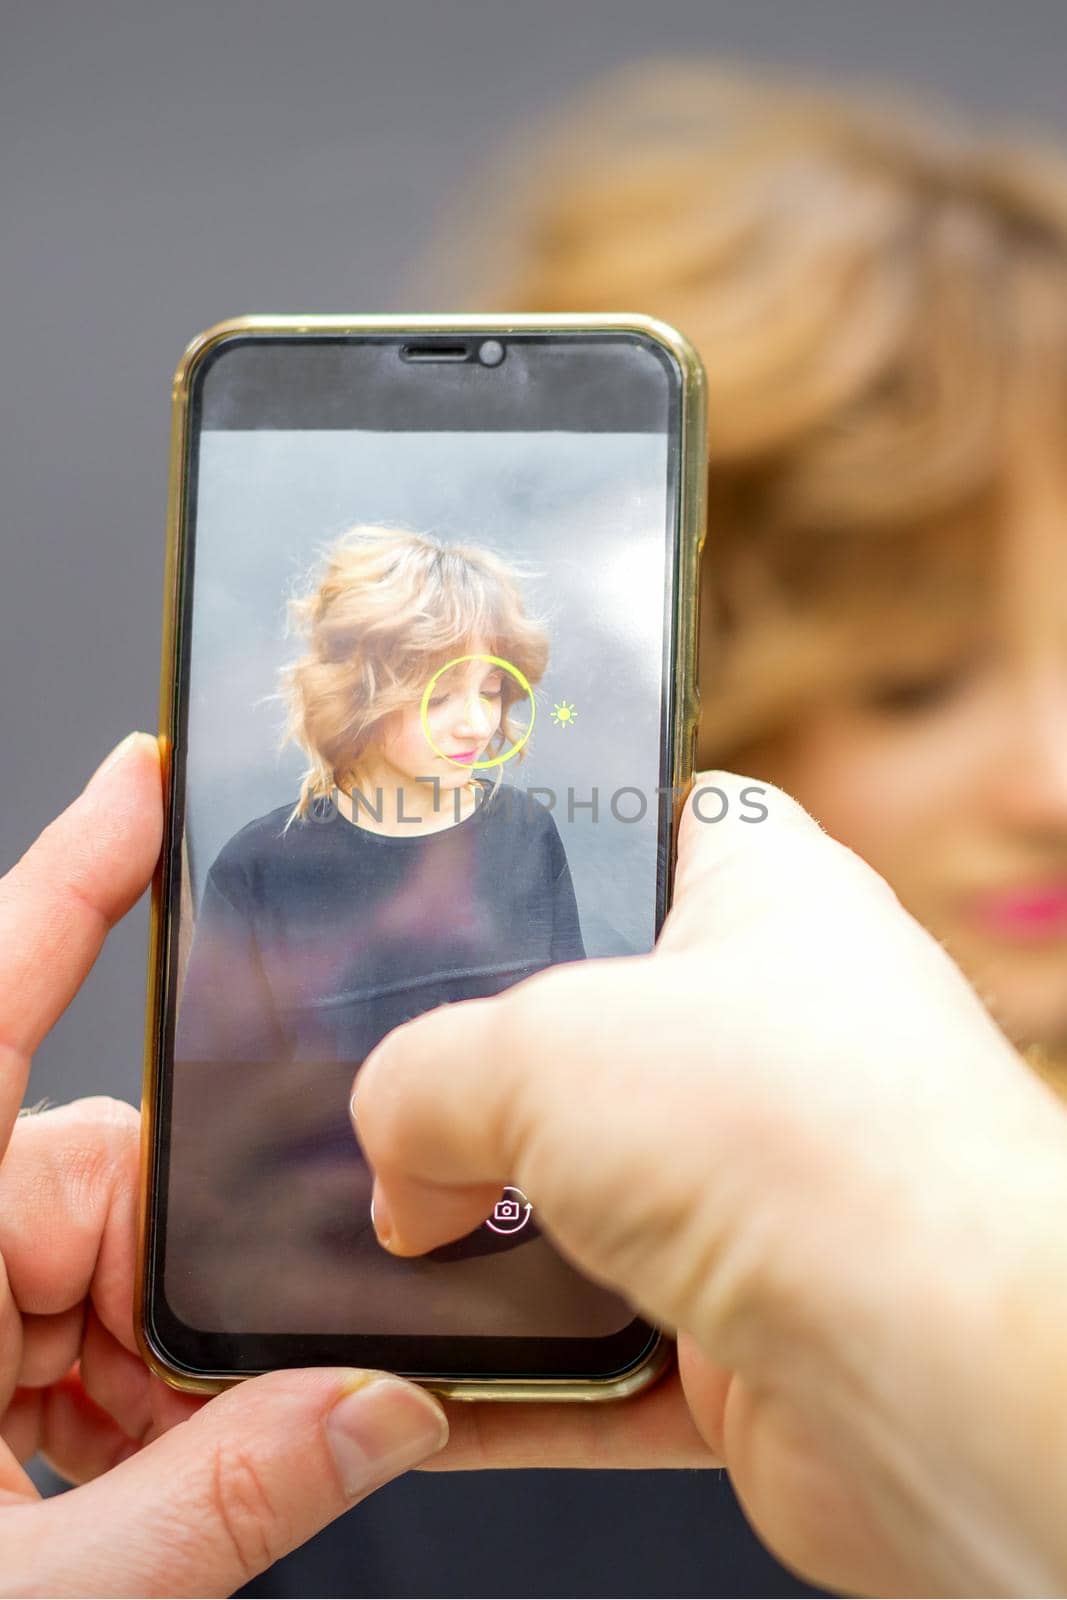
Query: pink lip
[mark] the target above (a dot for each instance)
(1034, 913)
(463, 756)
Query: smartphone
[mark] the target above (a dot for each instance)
(427, 719)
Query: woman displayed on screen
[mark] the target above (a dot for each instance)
(407, 873)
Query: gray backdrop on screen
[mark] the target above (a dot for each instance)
(584, 512)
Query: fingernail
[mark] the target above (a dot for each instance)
(380, 1429)
(381, 1221)
(120, 752)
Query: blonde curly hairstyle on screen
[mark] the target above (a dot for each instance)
(381, 612)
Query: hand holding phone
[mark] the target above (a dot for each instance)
(168, 1509)
(801, 1142)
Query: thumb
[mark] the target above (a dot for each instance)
(242, 1482)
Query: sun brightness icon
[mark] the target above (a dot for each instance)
(564, 714)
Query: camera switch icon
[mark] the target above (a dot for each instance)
(511, 1212)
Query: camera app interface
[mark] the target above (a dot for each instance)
(427, 622)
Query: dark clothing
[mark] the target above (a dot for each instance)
(516, 1534)
(314, 941)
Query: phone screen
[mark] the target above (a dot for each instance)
(422, 751)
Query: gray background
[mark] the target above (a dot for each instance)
(165, 165)
(584, 513)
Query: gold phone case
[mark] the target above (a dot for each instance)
(691, 512)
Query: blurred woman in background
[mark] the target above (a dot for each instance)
(881, 303)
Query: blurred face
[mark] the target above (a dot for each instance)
(955, 786)
(463, 714)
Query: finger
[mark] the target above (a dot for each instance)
(20, 1428)
(654, 1429)
(10, 1339)
(438, 1189)
(75, 1434)
(251, 1476)
(81, 1439)
(67, 1228)
(18, 1435)
(142, 1405)
(63, 1426)
(438, 1164)
(706, 1387)
(50, 1347)
(473, 1096)
(437, 1167)
(76, 1438)
(59, 901)
(116, 1379)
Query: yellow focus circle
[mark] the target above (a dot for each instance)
(497, 661)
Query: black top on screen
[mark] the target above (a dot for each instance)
(315, 940)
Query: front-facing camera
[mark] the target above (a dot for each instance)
(491, 353)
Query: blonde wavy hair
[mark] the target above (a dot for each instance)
(383, 610)
(876, 294)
